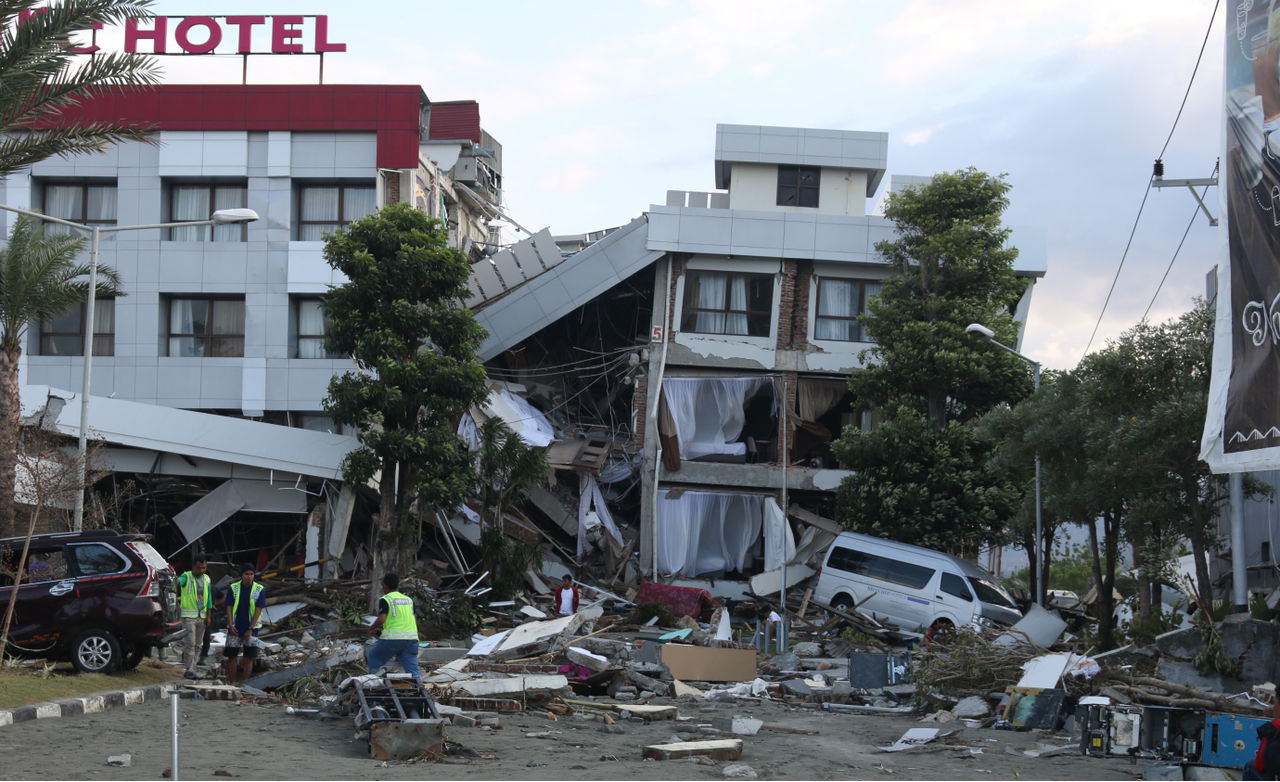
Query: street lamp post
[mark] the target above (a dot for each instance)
(984, 333)
(94, 232)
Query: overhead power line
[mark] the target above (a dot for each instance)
(1147, 192)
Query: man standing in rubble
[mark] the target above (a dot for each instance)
(399, 630)
(566, 597)
(244, 617)
(196, 598)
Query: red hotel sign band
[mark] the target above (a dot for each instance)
(204, 34)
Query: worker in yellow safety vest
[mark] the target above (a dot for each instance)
(398, 628)
(195, 596)
(244, 617)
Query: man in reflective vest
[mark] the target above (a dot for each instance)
(196, 598)
(244, 616)
(399, 630)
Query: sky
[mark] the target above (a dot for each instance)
(601, 107)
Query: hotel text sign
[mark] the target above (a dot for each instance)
(205, 34)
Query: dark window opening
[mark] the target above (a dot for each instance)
(798, 185)
(883, 568)
(954, 585)
(64, 335)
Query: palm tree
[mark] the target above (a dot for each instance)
(39, 279)
(40, 76)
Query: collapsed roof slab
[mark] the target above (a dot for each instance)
(189, 433)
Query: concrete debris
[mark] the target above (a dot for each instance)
(124, 760)
(741, 726)
(972, 707)
(739, 771)
(723, 749)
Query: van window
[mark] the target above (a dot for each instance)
(94, 559)
(883, 568)
(990, 593)
(954, 585)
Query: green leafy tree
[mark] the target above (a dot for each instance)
(42, 77)
(506, 468)
(1152, 388)
(39, 279)
(922, 474)
(398, 317)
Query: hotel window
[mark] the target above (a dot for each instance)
(728, 303)
(206, 327)
(64, 335)
(840, 302)
(198, 201)
(312, 325)
(798, 185)
(324, 207)
(89, 203)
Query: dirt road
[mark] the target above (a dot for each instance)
(261, 741)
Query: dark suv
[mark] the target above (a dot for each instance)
(100, 599)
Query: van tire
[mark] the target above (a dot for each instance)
(843, 603)
(96, 651)
(944, 630)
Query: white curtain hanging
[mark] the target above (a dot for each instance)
(102, 203)
(358, 202)
(709, 412)
(190, 202)
(836, 299)
(319, 205)
(711, 290)
(227, 197)
(703, 532)
(310, 325)
(736, 319)
(590, 498)
(779, 543)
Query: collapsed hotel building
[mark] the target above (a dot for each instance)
(653, 361)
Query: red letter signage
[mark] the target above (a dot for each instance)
(285, 28)
(211, 41)
(157, 35)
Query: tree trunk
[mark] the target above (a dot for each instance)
(1029, 546)
(385, 542)
(1199, 552)
(10, 413)
(1046, 561)
(1140, 565)
(1106, 593)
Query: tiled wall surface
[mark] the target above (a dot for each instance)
(267, 269)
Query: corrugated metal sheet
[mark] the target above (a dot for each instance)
(455, 120)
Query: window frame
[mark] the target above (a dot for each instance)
(690, 310)
(73, 561)
(106, 338)
(209, 233)
(342, 221)
(860, 333)
(84, 184)
(799, 189)
(300, 336)
(963, 592)
(208, 336)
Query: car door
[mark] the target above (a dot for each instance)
(43, 593)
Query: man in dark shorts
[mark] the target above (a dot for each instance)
(244, 603)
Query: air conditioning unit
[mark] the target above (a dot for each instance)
(466, 170)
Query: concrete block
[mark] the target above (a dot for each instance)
(124, 760)
(721, 749)
(406, 740)
(586, 659)
(515, 686)
(739, 771)
(463, 721)
(741, 726)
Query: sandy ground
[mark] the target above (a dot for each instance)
(261, 741)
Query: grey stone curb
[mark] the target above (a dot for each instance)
(88, 704)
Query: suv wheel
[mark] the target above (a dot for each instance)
(96, 651)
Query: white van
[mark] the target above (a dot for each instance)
(909, 586)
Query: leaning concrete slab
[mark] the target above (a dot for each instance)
(274, 679)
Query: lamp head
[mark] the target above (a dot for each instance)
(230, 216)
(980, 331)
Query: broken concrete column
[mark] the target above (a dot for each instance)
(741, 726)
